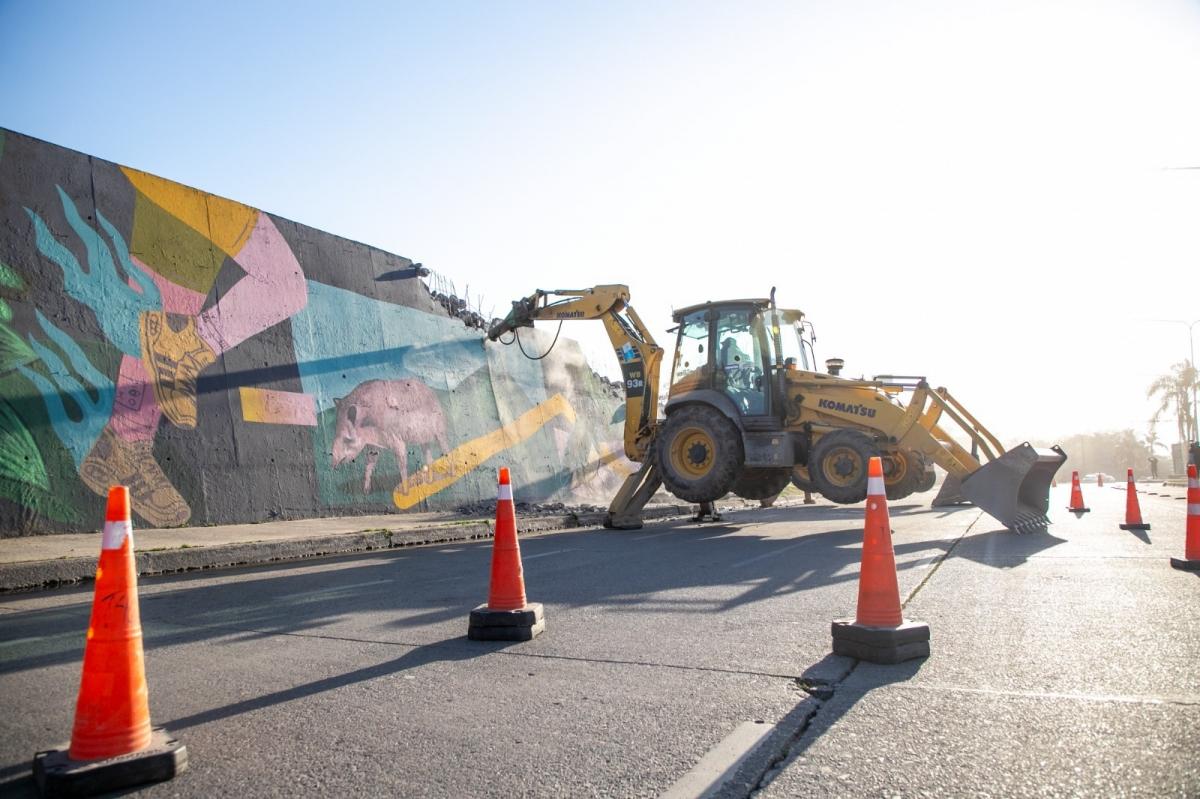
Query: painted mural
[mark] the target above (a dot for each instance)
(231, 366)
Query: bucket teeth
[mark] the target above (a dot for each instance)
(1030, 522)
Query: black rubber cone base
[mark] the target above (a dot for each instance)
(881, 644)
(506, 625)
(1078, 511)
(56, 774)
(1134, 526)
(1185, 564)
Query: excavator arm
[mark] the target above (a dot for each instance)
(640, 357)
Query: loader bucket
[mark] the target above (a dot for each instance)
(950, 493)
(1015, 488)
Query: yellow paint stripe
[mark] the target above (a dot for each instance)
(277, 407)
(465, 458)
(226, 223)
(613, 459)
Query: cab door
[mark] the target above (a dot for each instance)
(742, 366)
(693, 368)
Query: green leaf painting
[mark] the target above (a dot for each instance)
(20, 459)
(10, 279)
(14, 351)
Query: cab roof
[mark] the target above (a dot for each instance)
(758, 302)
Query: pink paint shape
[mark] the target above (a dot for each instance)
(278, 407)
(135, 412)
(175, 298)
(272, 290)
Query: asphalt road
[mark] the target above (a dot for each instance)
(1062, 664)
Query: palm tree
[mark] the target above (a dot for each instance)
(1174, 388)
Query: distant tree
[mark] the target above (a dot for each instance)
(1174, 389)
(1150, 440)
(1108, 452)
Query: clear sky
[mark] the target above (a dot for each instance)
(973, 190)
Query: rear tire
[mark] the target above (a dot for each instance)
(762, 483)
(902, 472)
(928, 478)
(838, 465)
(699, 453)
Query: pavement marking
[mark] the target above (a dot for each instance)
(720, 763)
(547, 554)
(655, 535)
(31, 639)
(776, 553)
(1122, 698)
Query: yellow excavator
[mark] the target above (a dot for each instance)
(747, 413)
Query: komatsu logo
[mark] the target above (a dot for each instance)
(841, 407)
(569, 315)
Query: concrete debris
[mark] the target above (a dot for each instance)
(457, 307)
(485, 507)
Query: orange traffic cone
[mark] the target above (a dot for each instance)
(1076, 505)
(507, 616)
(1133, 511)
(1191, 548)
(112, 744)
(879, 632)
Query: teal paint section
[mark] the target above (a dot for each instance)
(116, 305)
(344, 340)
(92, 400)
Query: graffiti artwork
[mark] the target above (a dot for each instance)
(228, 365)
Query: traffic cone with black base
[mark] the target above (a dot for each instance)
(1133, 511)
(1076, 505)
(879, 632)
(1191, 548)
(112, 743)
(507, 616)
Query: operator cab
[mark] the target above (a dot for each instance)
(738, 349)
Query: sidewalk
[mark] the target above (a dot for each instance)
(43, 561)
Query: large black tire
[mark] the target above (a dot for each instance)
(928, 478)
(838, 465)
(902, 472)
(699, 453)
(762, 483)
(799, 481)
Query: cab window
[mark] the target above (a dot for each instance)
(692, 352)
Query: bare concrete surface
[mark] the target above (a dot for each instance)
(1062, 664)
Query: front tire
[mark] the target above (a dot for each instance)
(838, 465)
(699, 453)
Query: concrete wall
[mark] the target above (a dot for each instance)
(233, 366)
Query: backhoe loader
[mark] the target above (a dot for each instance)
(747, 412)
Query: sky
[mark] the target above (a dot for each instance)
(993, 195)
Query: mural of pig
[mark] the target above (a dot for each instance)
(390, 414)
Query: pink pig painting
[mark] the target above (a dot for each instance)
(389, 414)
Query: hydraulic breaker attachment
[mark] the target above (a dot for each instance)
(625, 512)
(1015, 487)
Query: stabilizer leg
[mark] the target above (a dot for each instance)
(625, 512)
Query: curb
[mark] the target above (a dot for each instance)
(36, 574)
